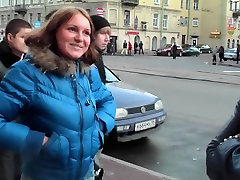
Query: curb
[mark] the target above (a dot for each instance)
(144, 173)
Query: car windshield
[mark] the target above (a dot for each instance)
(110, 76)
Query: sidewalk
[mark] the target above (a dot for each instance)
(115, 169)
(230, 63)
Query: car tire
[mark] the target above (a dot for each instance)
(225, 59)
(169, 53)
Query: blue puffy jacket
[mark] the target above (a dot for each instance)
(60, 107)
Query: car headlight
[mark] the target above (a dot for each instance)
(121, 113)
(158, 105)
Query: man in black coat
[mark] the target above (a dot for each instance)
(174, 50)
(12, 49)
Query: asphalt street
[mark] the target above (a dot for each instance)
(199, 99)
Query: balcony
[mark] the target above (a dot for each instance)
(130, 2)
(20, 9)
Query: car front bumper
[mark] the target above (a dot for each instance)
(128, 134)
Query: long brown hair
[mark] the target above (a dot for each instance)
(45, 36)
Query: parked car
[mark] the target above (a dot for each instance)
(204, 48)
(230, 54)
(138, 114)
(167, 50)
(191, 51)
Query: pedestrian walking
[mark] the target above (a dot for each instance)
(135, 47)
(238, 51)
(12, 49)
(141, 47)
(174, 50)
(221, 53)
(50, 91)
(124, 48)
(214, 55)
(129, 48)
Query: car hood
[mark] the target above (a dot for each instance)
(127, 96)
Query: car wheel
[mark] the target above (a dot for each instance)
(225, 59)
(180, 54)
(169, 53)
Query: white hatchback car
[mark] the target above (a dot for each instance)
(230, 54)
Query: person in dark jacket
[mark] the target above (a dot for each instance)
(238, 51)
(226, 165)
(12, 49)
(174, 50)
(54, 91)
(101, 40)
(221, 53)
(135, 46)
(141, 47)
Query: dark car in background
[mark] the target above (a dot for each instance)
(138, 114)
(230, 54)
(204, 48)
(167, 50)
(191, 51)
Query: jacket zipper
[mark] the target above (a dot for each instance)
(74, 84)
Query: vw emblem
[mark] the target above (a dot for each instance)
(143, 109)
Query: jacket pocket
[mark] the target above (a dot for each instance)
(56, 150)
(97, 140)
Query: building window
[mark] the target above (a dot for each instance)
(238, 25)
(195, 4)
(8, 17)
(31, 1)
(186, 20)
(88, 11)
(39, 1)
(231, 5)
(155, 20)
(156, 1)
(38, 16)
(30, 18)
(187, 3)
(113, 16)
(181, 3)
(165, 20)
(2, 19)
(165, 2)
(233, 43)
(126, 18)
(195, 22)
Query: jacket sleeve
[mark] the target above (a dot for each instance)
(106, 107)
(16, 90)
(232, 127)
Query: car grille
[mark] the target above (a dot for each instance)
(138, 109)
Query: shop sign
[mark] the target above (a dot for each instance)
(132, 32)
(231, 30)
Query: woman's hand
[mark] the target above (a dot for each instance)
(45, 140)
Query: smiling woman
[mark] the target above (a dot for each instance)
(51, 90)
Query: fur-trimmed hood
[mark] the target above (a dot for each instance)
(48, 61)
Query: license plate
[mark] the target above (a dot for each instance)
(145, 125)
